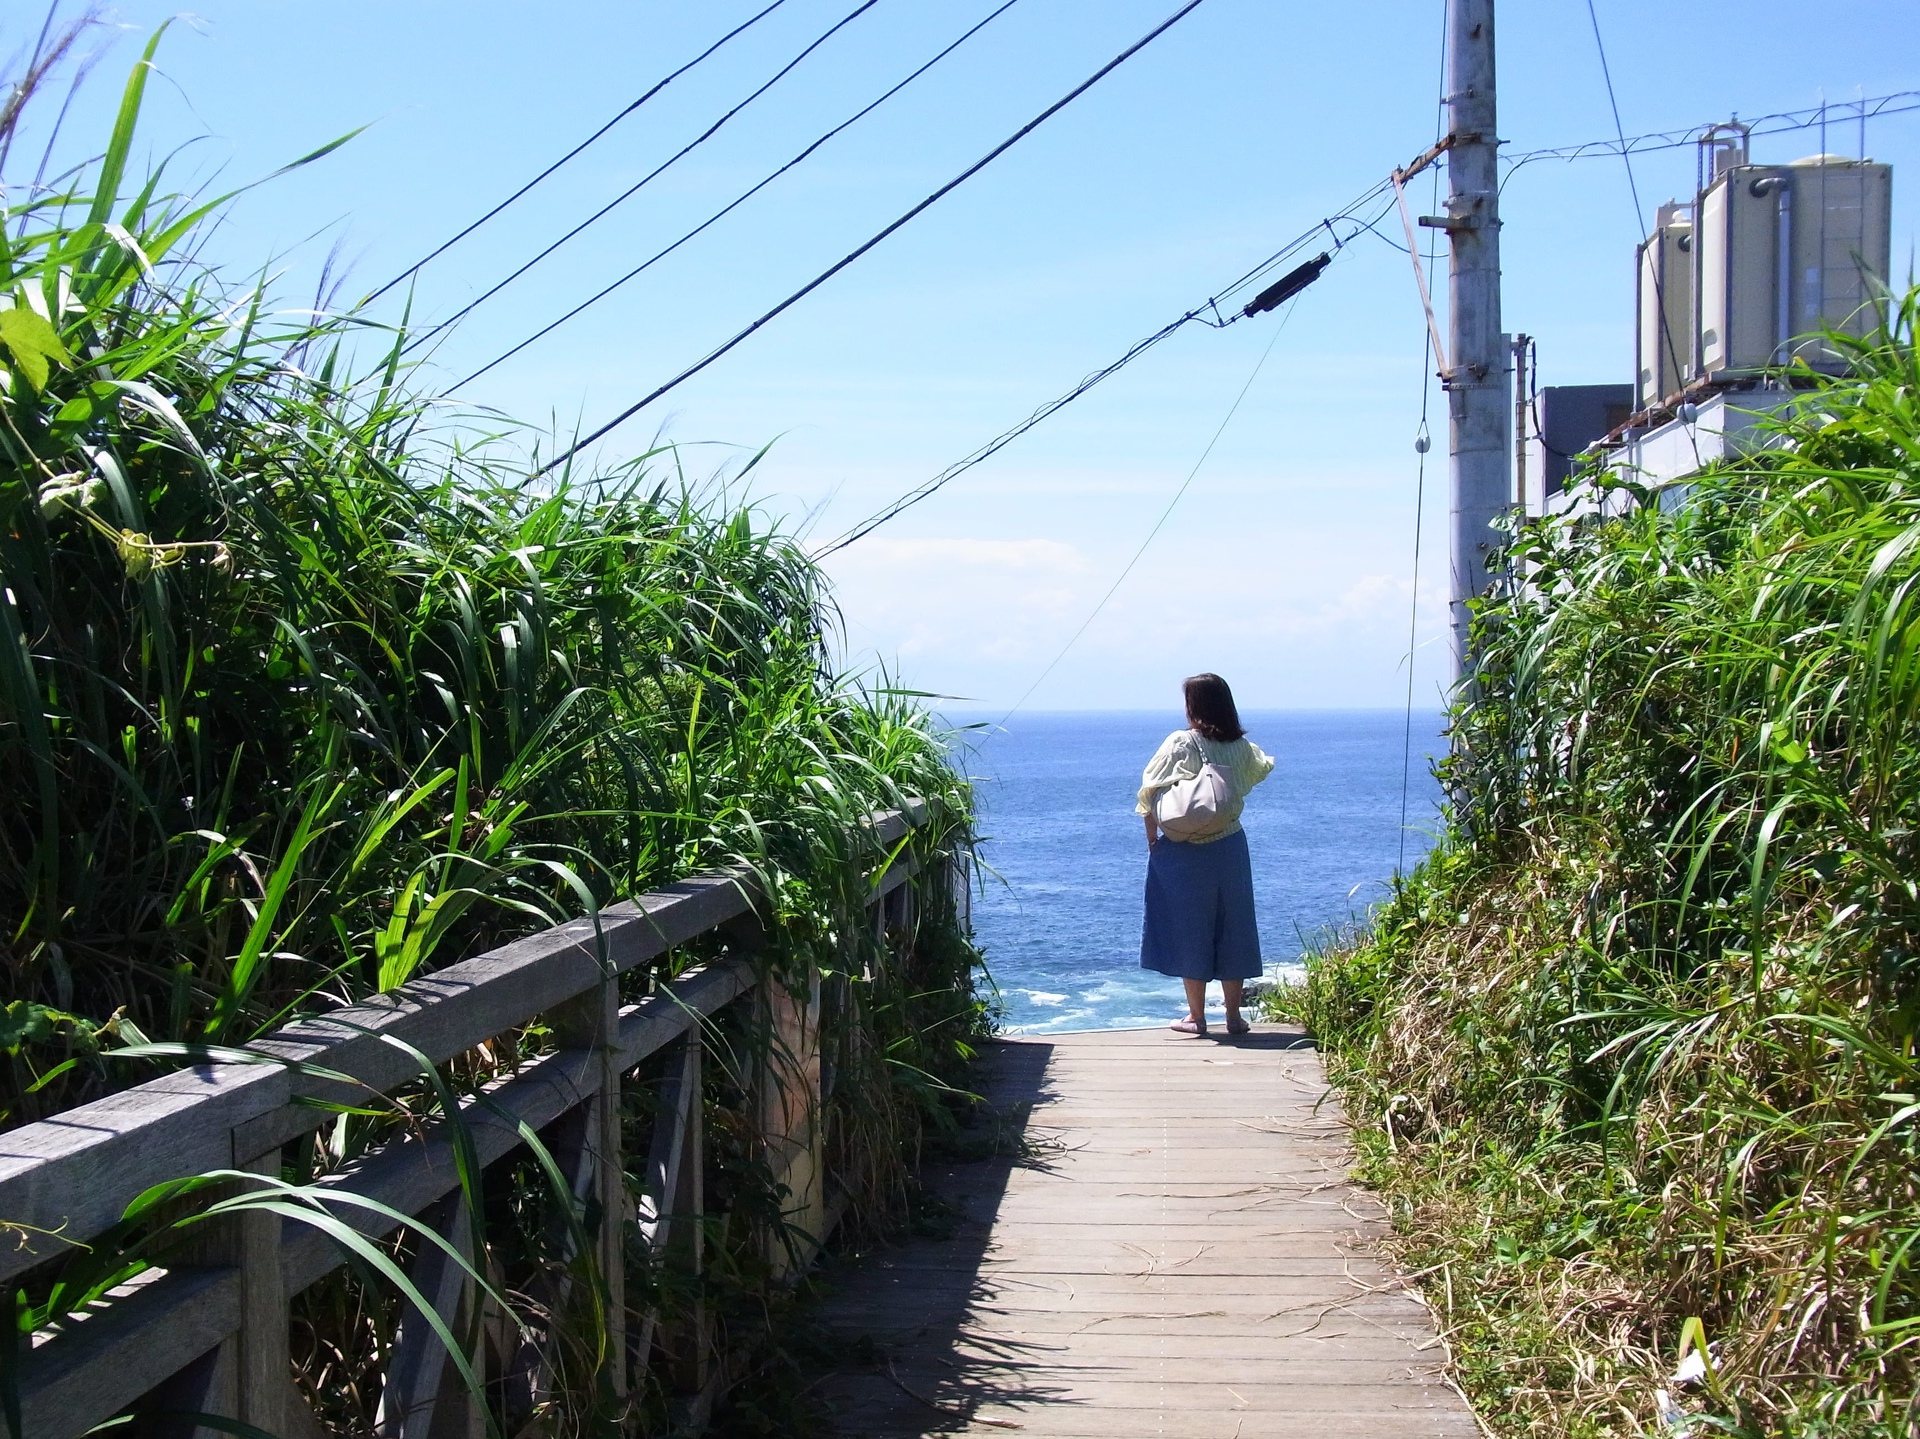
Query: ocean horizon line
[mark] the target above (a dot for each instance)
(994, 712)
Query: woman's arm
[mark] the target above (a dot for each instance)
(1172, 761)
(1257, 766)
(1153, 831)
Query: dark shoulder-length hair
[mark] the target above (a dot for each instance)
(1210, 708)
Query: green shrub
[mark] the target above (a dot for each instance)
(1657, 991)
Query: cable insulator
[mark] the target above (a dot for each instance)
(1288, 285)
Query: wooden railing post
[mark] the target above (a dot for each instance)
(962, 875)
(687, 1249)
(672, 1198)
(790, 1110)
(592, 1023)
(423, 1395)
(206, 1333)
(249, 1376)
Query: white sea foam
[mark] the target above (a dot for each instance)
(1071, 1019)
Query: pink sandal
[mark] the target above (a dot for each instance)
(1189, 1026)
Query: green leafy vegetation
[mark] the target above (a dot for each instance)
(306, 689)
(1634, 1051)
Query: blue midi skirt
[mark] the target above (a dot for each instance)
(1199, 921)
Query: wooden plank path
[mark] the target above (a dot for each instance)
(1179, 1253)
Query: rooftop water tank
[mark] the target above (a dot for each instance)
(1663, 334)
(1782, 252)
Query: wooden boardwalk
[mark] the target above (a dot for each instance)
(1179, 1254)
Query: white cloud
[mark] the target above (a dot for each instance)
(983, 617)
(942, 606)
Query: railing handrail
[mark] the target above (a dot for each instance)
(66, 1179)
(69, 1177)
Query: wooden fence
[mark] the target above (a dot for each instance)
(209, 1333)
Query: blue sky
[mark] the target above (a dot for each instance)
(1288, 565)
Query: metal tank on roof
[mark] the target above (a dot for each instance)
(1733, 289)
(1782, 253)
(1663, 336)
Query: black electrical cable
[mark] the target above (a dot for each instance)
(646, 179)
(827, 274)
(1373, 228)
(730, 206)
(572, 154)
(999, 442)
(1288, 285)
(1266, 266)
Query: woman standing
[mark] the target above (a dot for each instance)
(1199, 925)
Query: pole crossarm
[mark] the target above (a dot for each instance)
(1425, 158)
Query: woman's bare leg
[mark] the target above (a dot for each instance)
(1196, 1000)
(1232, 990)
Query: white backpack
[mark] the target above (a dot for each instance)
(1192, 808)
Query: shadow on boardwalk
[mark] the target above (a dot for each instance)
(1171, 1249)
(916, 1361)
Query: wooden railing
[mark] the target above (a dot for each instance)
(208, 1333)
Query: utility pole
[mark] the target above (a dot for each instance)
(1476, 381)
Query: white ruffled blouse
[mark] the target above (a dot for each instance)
(1185, 753)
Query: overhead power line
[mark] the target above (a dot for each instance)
(647, 179)
(572, 154)
(731, 205)
(1001, 441)
(827, 274)
(1290, 285)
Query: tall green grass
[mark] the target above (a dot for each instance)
(1637, 1044)
(305, 689)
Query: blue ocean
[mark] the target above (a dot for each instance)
(1058, 909)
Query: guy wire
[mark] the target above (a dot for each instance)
(1639, 217)
(1422, 444)
(1158, 524)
